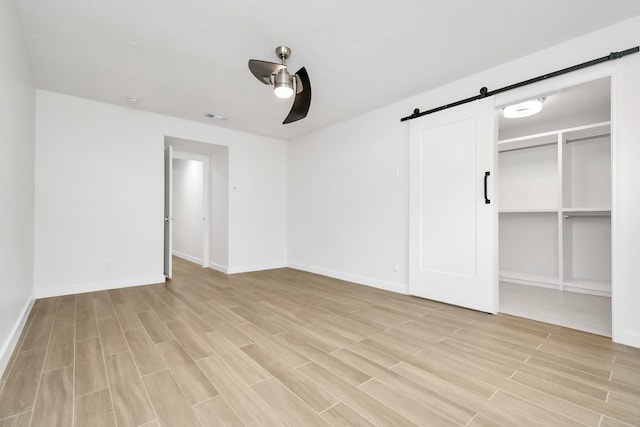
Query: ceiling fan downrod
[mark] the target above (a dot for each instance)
(283, 53)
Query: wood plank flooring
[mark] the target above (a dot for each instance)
(285, 347)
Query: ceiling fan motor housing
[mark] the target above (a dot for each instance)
(283, 52)
(283, 78)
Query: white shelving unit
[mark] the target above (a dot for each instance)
(555, 209)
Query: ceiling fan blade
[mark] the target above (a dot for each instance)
(263, 70)
(302, 100)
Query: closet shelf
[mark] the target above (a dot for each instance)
(527, 211)
(574, 132)
(572, 211)
(542, 280)
(592, 287)
(527, 142)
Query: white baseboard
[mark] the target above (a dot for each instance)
(10, 344)
(630, 338)
(219, 267)
(255, 267)
(81, 288)
(399, 288)
(187, 257)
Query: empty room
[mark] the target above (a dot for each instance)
(413, 213)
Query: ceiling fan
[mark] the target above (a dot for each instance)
(285, 84)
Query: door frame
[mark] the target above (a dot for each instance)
(206, 182)
(167, 244)
(613, 72)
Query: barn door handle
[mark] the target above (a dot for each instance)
(486, 199)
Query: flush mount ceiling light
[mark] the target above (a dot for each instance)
(523, 109)
(284, 84)
(133, 100)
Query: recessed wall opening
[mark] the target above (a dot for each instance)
(197, 196)
(555, 210)
(190, 220)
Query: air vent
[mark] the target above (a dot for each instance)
(215, 116)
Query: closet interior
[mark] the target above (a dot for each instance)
(554, 187)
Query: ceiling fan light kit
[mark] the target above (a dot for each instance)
(284, 84)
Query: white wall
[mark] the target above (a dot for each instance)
(17, 116)
(626, 239)
(257, 206)
(219, 210)
(99, 194)
(348, 212)
(348, 197)
(188, 209)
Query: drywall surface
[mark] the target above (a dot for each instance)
(188, 209)
(219, 210)
(348, 196)
(100, 192)
(17, 121)
(347, 186)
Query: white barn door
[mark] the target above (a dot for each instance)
(452, 210)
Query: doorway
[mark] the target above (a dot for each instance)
(555, 209)
(200, 190)
(190, 207)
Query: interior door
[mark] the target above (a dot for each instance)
(168, 214)
(453, 214)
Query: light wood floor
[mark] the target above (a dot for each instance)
(284, 347)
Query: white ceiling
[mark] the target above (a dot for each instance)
(184, 58)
